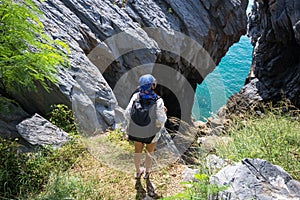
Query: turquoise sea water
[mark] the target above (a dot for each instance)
(228, 78)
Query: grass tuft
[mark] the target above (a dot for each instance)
(273, 136)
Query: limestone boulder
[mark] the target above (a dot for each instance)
(256, 179)
(40, 132)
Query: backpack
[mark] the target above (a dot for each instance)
(142, 122)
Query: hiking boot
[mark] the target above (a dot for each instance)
(147, 175)
(138, 175)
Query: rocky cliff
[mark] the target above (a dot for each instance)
(109, 38)
(274, 28)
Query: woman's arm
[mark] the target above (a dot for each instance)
(128, 108)
(160, 112)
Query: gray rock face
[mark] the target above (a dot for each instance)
(214, 25)
(84, 25)
(256, 179)
(11, 114)
(88, 26)
(40, 132)
(81, 87)
(274, 30)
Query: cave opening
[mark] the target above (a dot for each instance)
(176, 77)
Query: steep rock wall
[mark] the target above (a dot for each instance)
(87, 27)
(274, 28)
(213, 25)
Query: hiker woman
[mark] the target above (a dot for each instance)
(144, 104)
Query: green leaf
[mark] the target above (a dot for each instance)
(201, 177)
(27, 54)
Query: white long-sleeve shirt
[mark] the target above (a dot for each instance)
(160, 110)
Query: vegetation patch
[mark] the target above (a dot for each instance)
(199, 189)
(118, 138)
(27, 55)
(22, 174)
(63, 117)
(72, 172)
(273, 135)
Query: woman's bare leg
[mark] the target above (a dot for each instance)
(150, 151)
(138, 149)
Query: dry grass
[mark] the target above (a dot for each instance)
(109, 183)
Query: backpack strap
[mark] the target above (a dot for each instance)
(157, 97)
(150, 101)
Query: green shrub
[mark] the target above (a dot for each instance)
(63, 117)
(11, 164)
(24, 173)
(268, 133)
(66, 186)
(273, 136)
(20, 172)
(117, 138)
(27, 54)
(200, 189)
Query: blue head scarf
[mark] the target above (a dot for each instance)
(145, 82)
